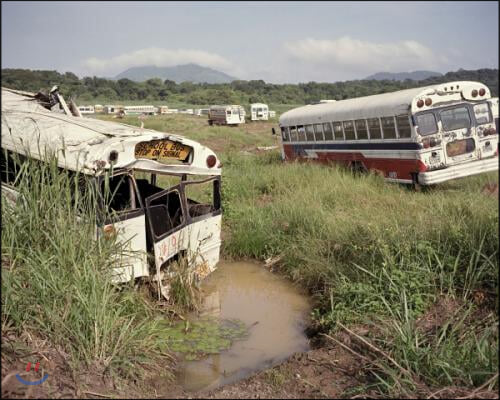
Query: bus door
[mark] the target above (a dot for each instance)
(125, 219)
(203, 200)
(459, 137)
(166, 217)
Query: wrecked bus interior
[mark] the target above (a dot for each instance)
(159, 193)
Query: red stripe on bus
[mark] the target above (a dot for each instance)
(403, 168)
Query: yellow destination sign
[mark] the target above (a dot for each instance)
(162, 150)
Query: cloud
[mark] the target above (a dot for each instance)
(158, 57)
(363, 55)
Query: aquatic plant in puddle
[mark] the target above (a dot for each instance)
(196, 339)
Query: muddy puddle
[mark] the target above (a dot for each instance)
(274, 312)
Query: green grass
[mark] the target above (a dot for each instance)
(218, 138)
(56, 278)
(376, 253)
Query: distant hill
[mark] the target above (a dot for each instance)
(401, 76)
(179, 73)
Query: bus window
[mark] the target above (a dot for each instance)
(482, 114)
(327, 130)
(404, 128)
(119, 194)
(455, 118)
(284, 134)
(165, 213)
(301, 132)
(337, 130)
(374, 127)
(203, 197)
(426, 124)
(318, 129)
(349, 130)
(309, 133)
(361, 131)
(293, 134)
(388, 127)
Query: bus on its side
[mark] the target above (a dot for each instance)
(166, 199)
(420, 136)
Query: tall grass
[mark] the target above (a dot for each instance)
(376, 253)
(56, 275)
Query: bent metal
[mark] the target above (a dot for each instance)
(165, 189)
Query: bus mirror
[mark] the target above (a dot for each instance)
(274, 131)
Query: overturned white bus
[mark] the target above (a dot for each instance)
(157, 179)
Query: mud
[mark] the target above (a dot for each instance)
(274, 311)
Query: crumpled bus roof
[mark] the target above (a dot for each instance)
(85, 143)
(378, 105)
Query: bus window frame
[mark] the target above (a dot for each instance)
(467, 106)
(490, 113)
(338, 123)
(331, 130)
(105, 216)
(379, 128)
(353, 126)
(366, 129)
(313, 133)
(436, 120)
(409, 124)
(322, 139)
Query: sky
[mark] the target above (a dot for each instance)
(278, 42)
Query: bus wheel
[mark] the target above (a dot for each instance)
(358, 167)
(210, 122)
(417, 187)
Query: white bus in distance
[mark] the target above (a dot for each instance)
(421, 136)
(86, 109)
(226, 115)
(180, 220)
(140, 110)
(259, 112)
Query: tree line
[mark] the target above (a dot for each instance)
(94, 89)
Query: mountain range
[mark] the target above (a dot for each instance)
(401, 76)
(179, 73)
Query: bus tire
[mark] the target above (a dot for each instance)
(417, 187)
(210, 122)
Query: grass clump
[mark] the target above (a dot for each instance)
(56, 275)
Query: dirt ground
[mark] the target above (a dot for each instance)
(325, 372)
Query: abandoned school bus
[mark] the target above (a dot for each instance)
(182, 219)
(422, 136)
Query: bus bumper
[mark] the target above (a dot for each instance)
(458, 171)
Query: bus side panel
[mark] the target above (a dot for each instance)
(394, 168)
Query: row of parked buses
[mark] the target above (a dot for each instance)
(421, 136)
(218, 115)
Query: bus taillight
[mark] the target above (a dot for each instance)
(211, 160)
(474, 93)
(482, 92)
(430, 142)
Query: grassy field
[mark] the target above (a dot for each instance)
(382, 258)
(415, 274)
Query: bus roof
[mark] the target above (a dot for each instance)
(386, 104)
(85, 144)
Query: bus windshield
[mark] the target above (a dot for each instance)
(455, 118)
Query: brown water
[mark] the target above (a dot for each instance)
(273, 308)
